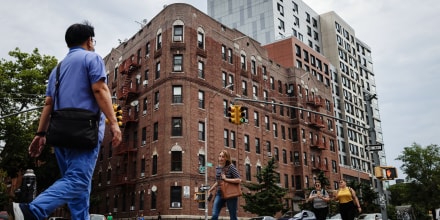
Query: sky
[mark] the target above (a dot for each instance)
(403, 36)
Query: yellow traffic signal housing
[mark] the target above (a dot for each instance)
(242, 111)
(233, 114)
(118, 112)
(378, 172)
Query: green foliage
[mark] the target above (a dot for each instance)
(265, 197)
(422, 167)
(22, 86)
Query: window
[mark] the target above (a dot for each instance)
(244, 87)
(266, 122)
(201, 99)
(155, 131)
(246, 143)
(201, 131)
(281, 25)
(141, 200)
(230, 56)
(253, 66)
(257, 146)
(176, 126)
(256, 119)
(153, 200)
(176, 160)
(157, 70)
(144, 136)
(159, 41)
(201, 68)
(233, 142)
(226, 138)
(143, 162)
(243, 61)
(177, 63)
(178, 33)
(154, 167)
(248, 172)
(277, 154)
(275, 129)
(156, 100)
(305, 158)
(177, 94)
(176, 197)
(284, 156)
(223, 52)
(147, 49)
(200, 40)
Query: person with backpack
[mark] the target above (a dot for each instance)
(320, 198)
(348, 201)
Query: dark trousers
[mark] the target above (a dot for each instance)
(347, 210)
(321, 213)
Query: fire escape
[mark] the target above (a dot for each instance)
(316, 122)
(127, 94)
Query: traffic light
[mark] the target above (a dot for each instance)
(378, 172)
(233, 114)
(242, 111)
(390, 173)
(118, 111)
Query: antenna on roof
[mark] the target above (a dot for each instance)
(143, 23)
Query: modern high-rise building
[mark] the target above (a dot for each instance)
(352, 81)
(174, 80)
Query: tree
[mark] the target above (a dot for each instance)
(422, 167)
(265, 197)
(22, 86)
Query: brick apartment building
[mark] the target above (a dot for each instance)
(174, 80)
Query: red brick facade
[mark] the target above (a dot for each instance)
(154, 167)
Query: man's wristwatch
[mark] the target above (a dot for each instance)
(40, 134)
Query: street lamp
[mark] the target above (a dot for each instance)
(206, 144)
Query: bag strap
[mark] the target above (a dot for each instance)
(57, 86)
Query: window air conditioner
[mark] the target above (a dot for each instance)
(156, 106)
(177, 38)
(177, 68)
(264, 77)
(175, 205)
(145, 82)
(269, 154)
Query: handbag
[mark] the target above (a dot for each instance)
(230, 190)
(72, 127)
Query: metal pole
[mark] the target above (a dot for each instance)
(376, 159)
(206, 147)
(206, 166)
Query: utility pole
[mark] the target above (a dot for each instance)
(376, 159)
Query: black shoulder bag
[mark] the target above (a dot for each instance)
(72, 127)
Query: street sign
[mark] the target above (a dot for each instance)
(374, 147)
(205, 188)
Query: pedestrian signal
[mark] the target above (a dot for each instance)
(390, 173)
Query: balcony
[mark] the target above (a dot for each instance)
(316, 122)
(129, 65)
(314, 101)
(123, 179)
(319, 167)
(125, 148)
(318, 145)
